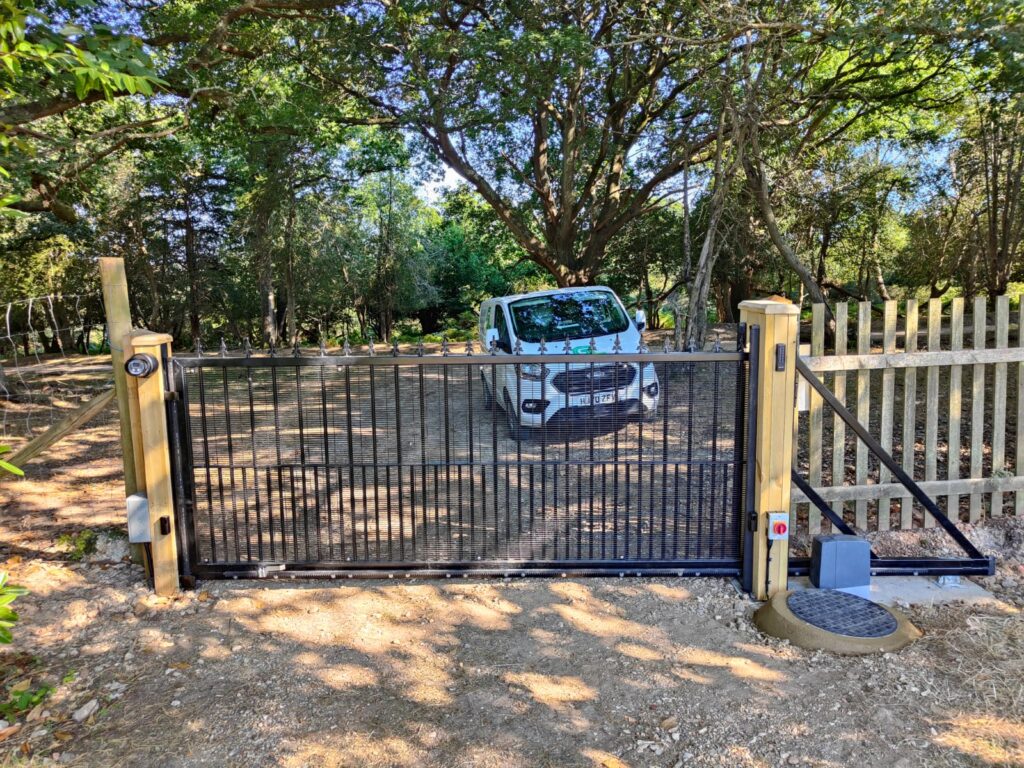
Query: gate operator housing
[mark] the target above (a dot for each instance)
(778, 526)
(841, 561)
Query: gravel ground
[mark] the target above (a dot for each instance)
(565, 672)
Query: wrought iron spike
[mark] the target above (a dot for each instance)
(469, 348)
(617, 345)
(296, 352)
(346, 348)
(718, 344)
(323, 347)
(369, 344)
(271, 349)
(641, 348)
(394, 346)
(667, 346)
(518, 348)
(492, 348)
(592, 347)
(246, 348)
(543, 346)
(420, 349)
(692, 346)
(444, 346)
(566, 347)
(199, 347)
(223, 347)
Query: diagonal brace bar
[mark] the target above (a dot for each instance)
(890, 463)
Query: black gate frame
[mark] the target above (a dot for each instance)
(191, 567)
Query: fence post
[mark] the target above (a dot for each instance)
(773, 451)
(119, 325)
(156, 460)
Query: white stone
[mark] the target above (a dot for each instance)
(86, 711)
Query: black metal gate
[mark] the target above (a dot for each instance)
(377, 465)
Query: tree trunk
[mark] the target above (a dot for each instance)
(291, 314)
(191, 267)
(758, 186)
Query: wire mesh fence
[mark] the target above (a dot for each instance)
(54, 355)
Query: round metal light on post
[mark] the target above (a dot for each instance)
(141, 365)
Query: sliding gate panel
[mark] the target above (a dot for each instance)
(445, 463)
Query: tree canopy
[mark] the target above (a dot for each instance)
(271, 169)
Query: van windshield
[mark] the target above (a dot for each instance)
(575, 315)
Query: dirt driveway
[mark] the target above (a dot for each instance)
(566, 672)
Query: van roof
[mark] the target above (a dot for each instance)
(552, 292)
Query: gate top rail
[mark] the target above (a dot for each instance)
(388, 359)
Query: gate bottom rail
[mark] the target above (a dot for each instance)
(482, 568)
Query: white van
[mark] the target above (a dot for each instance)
(532, 394)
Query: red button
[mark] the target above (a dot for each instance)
(779, 529)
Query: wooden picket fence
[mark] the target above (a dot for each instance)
(945, 399)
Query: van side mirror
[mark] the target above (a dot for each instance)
(490, 337)
(641, 320)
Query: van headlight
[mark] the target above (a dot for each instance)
(651, 390)
(534, 371)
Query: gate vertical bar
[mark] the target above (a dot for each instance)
(749, 523)
(773, 449)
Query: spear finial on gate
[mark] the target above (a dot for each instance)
(199, 347)
(223, 347)
(518, 348)
(667, 346)
(718, 344)
(566, 347)
(296, 352)
(469, 348)
(323, 347)
(617, 345)
(492, 348)
(346, 348)
(246, 348)
(394, 345)
(369, 344)
(592, 349)
(692, 346)
(641, 347)
(419, 348)
(271, 348)
(543, 346)
(444, 346)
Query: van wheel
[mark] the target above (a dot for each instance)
(515, 429)
(488, 395)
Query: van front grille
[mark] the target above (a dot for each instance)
(594, 378)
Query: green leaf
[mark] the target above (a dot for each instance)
(6, 464)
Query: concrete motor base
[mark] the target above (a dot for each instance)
(776, 619)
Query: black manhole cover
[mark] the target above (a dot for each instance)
(841, 613)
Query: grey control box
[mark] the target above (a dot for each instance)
(138, 519)
(840, 561)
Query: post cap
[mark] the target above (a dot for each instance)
(142, 338)
(772, 305)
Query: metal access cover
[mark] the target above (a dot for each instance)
(841, 613)
(824, 619)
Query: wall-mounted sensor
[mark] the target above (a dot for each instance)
(141, 365)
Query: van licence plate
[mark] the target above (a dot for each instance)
(600, 398)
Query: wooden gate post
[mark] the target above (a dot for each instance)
(119, 325)
(773, 451)
(156, 460)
